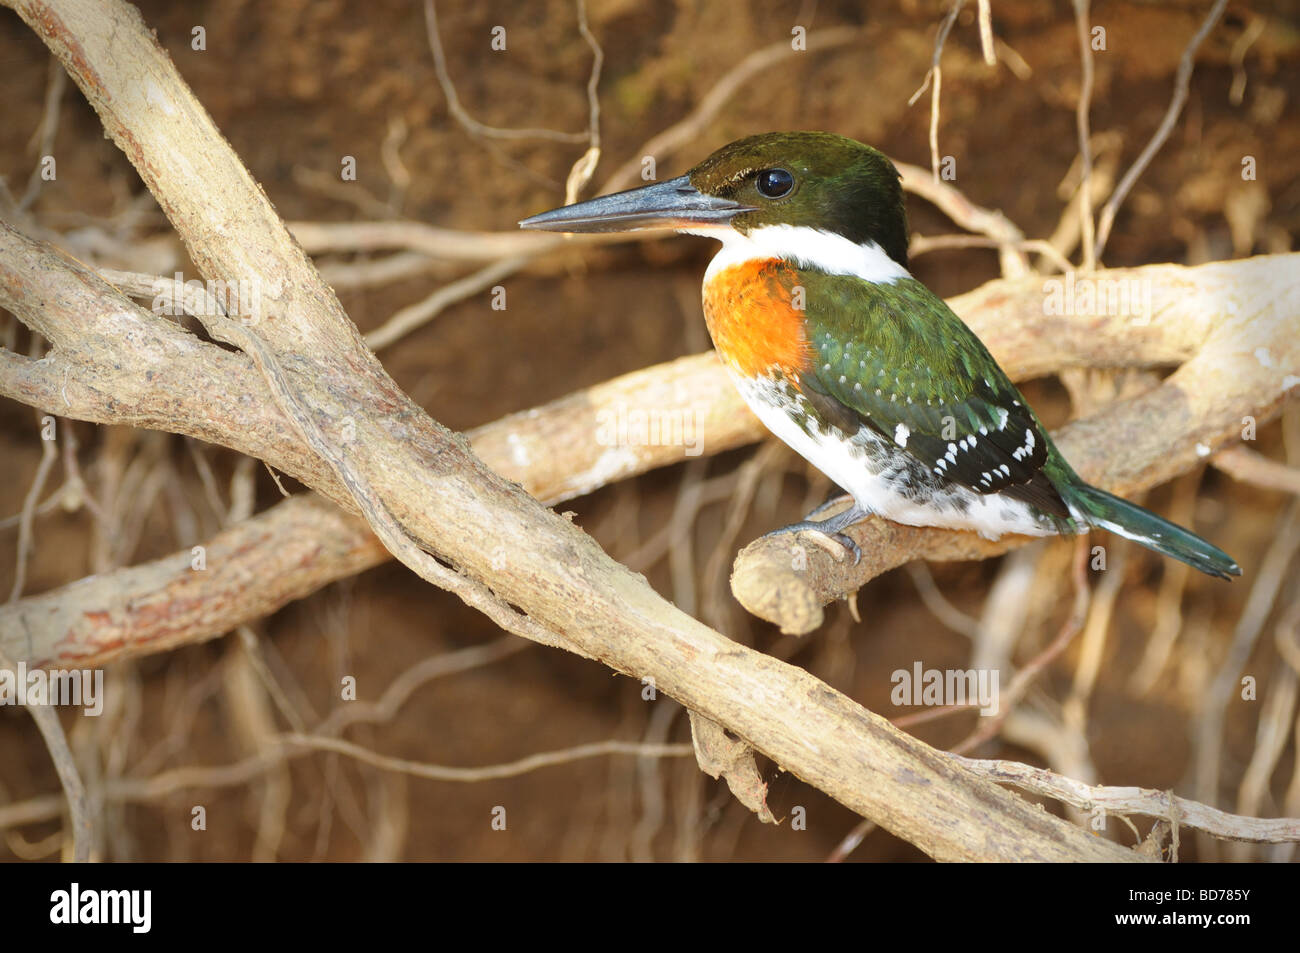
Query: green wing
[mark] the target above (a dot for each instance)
(895, 358)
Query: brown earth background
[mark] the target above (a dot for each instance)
(296, 85)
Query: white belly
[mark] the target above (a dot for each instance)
(861, 465)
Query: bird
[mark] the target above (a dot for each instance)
(853, 362)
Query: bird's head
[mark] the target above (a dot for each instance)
(814, 180)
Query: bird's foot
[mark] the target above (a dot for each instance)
(830, 530)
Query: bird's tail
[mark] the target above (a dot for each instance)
(1131, 521)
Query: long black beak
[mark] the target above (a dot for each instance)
(672, 204)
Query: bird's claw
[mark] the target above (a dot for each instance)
(827, 533)
(839, 545)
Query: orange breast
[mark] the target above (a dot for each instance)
(751, 313)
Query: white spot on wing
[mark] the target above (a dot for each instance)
(1020, 453)
(901, 433)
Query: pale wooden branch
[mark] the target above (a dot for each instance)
(447, 501)
(1145, 801)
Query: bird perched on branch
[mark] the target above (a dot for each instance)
(854, 363)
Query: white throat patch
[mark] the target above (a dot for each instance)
(807, 247)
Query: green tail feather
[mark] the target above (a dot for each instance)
(1131, 521)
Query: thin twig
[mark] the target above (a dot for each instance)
(472, 125)
(52, 502)
(953, 202)
(49, 454)
(1082, 19)
(933, 80)
(43, 139)
(922, 244)
(402, 687)
(290, 745)
(1237, 57)
(1144, 801)
(368, 273)
(421, 313)
(986, 32)
(1182, 81)
(581, 172)
(851, 841)
(938, 603)
(46, 717)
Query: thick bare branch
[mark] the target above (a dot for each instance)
(238, 576)
(1144, 801)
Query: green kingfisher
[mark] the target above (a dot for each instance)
(853, 362)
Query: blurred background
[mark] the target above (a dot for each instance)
(297, 85)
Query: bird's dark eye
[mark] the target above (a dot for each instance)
(774, 183)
